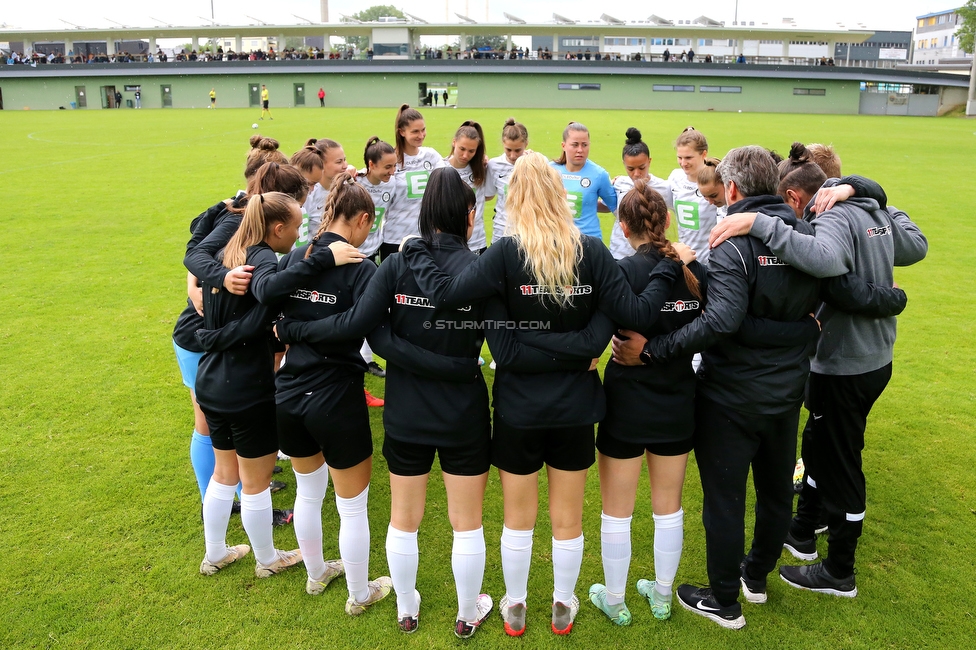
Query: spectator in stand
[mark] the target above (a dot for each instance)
(691, 56)
(667, 55)
(445, 98)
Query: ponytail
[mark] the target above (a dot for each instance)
(375, 150)
(692, 138)
(573, 126)
(347, 199)
(263, 211)
(515, 131)
(646, 216)
(404, 117)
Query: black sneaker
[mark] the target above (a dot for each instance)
(282, 517)
(702, 602)
(375, 369)
(235, 508)
(277, 469)
(278, 486)
(814, 577)
(821, 528)
(753, 590)
(801, 549)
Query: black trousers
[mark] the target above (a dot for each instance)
(832, 444)
(727, 443)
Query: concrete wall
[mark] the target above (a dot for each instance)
(480, 84)
(898, 104)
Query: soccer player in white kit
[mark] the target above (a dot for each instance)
(414, 164)
(694, 215)
(468, 159)
(515, 140)
(637, 163)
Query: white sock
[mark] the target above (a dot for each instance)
(668, 538)
(567, 557)
(516, 558)
(468, 562)
(366, 352)
(256, 517)
(615, 548)
(308, 518)
(217, 503)
(403, 555)
(354, 543)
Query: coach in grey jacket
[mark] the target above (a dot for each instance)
(849, 372)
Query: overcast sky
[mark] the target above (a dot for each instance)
(896, 14)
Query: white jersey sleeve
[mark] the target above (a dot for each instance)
(694, 215)
(499, 173)
(410, 182)
(383, 195)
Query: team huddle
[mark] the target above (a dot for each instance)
(779, 291)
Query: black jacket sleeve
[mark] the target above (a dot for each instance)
(865, 187)
(203, 224)
(201, 262)
(510, 354)
(421, 361)
(758, 332)
(477, 281)
(356, 322)
(728, 299)
(587, 343)
(275, 284)
(617, 299)
(849, 293)
(253, 323)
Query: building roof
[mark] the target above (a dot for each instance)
(938, 13)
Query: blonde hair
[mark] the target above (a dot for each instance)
(262, 213)
(826, 158)
(542, 226)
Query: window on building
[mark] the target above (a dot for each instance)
(720, 89)
(810, 91)
(660, 88)
(579, 86)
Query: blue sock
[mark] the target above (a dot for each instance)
(202, 460)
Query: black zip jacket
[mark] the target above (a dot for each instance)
(236, 370)
(545, 399)
(439, 398)
(745, 278)
(189, 321)
(309, 289)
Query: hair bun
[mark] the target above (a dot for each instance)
(799, 153)
(255, 140)
(510, 121)
(633, 135)
(688, 128)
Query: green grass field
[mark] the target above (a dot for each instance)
(100, 525)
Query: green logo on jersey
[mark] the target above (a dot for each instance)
(687, 213)
(303, 231)
(575, 200)
(379, 220)
(416, 184)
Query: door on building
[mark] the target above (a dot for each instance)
(80, 97)
(254, 94)
(167, 95)
(108, 96)
(299, 94)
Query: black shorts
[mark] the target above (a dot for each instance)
(332, 419)
(251, 432)
(525, 451)
(265, 104)
(624, 449)
(416, 459)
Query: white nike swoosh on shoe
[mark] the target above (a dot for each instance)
(705, 608)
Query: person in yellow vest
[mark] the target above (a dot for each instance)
(213, 98)
(264, 102)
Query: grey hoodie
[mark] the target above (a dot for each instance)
(855, 235)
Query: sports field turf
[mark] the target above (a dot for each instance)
(100, 521)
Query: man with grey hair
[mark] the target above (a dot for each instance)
(748, 398)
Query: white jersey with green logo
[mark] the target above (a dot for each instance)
(411, 181)
(496, 184)
(383, 195)
(694, 216)
(478, 240)
(314, 206)
(619, 246)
